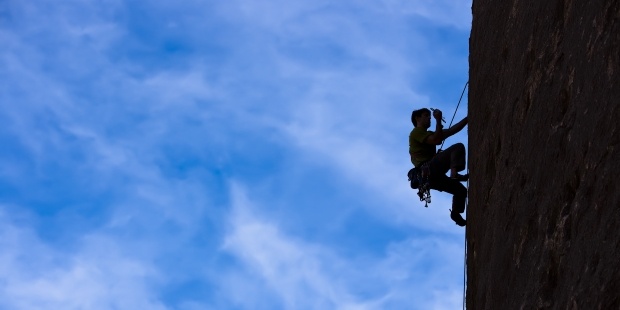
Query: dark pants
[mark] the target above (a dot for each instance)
(452, 157)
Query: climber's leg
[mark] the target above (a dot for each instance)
(451, 159)
(444, 184)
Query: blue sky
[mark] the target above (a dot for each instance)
(225, 154)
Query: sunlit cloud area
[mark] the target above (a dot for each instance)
(231, 154)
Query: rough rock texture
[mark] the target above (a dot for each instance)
(543, 222)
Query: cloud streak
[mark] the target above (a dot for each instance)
(302, 275)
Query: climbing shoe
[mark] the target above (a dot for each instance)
(460, 178)
(458, 219)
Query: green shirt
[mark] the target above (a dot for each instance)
(418, 150)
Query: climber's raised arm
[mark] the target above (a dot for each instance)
(439, 135)
(454, 129)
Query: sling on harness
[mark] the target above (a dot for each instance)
(419, 178)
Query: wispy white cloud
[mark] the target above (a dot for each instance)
(443, 12)
(294, 272)
(98, 275)
(303, 275)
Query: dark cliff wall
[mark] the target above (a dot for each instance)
(543, 221)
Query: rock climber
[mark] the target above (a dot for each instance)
(422, 149)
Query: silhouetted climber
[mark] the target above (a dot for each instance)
(431, 166)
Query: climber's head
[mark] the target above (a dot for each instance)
(421, 118)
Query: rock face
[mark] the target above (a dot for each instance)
(543, 221)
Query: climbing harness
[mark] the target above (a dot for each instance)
(419, 179)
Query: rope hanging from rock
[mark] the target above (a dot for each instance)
(457, 108)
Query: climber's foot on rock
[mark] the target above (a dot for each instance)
(460, 178)
(458, 219)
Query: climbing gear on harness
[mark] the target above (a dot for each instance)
(419, 178)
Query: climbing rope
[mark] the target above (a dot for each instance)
(465, 274)
(457, 108)
(466, 207)
(465, 247)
